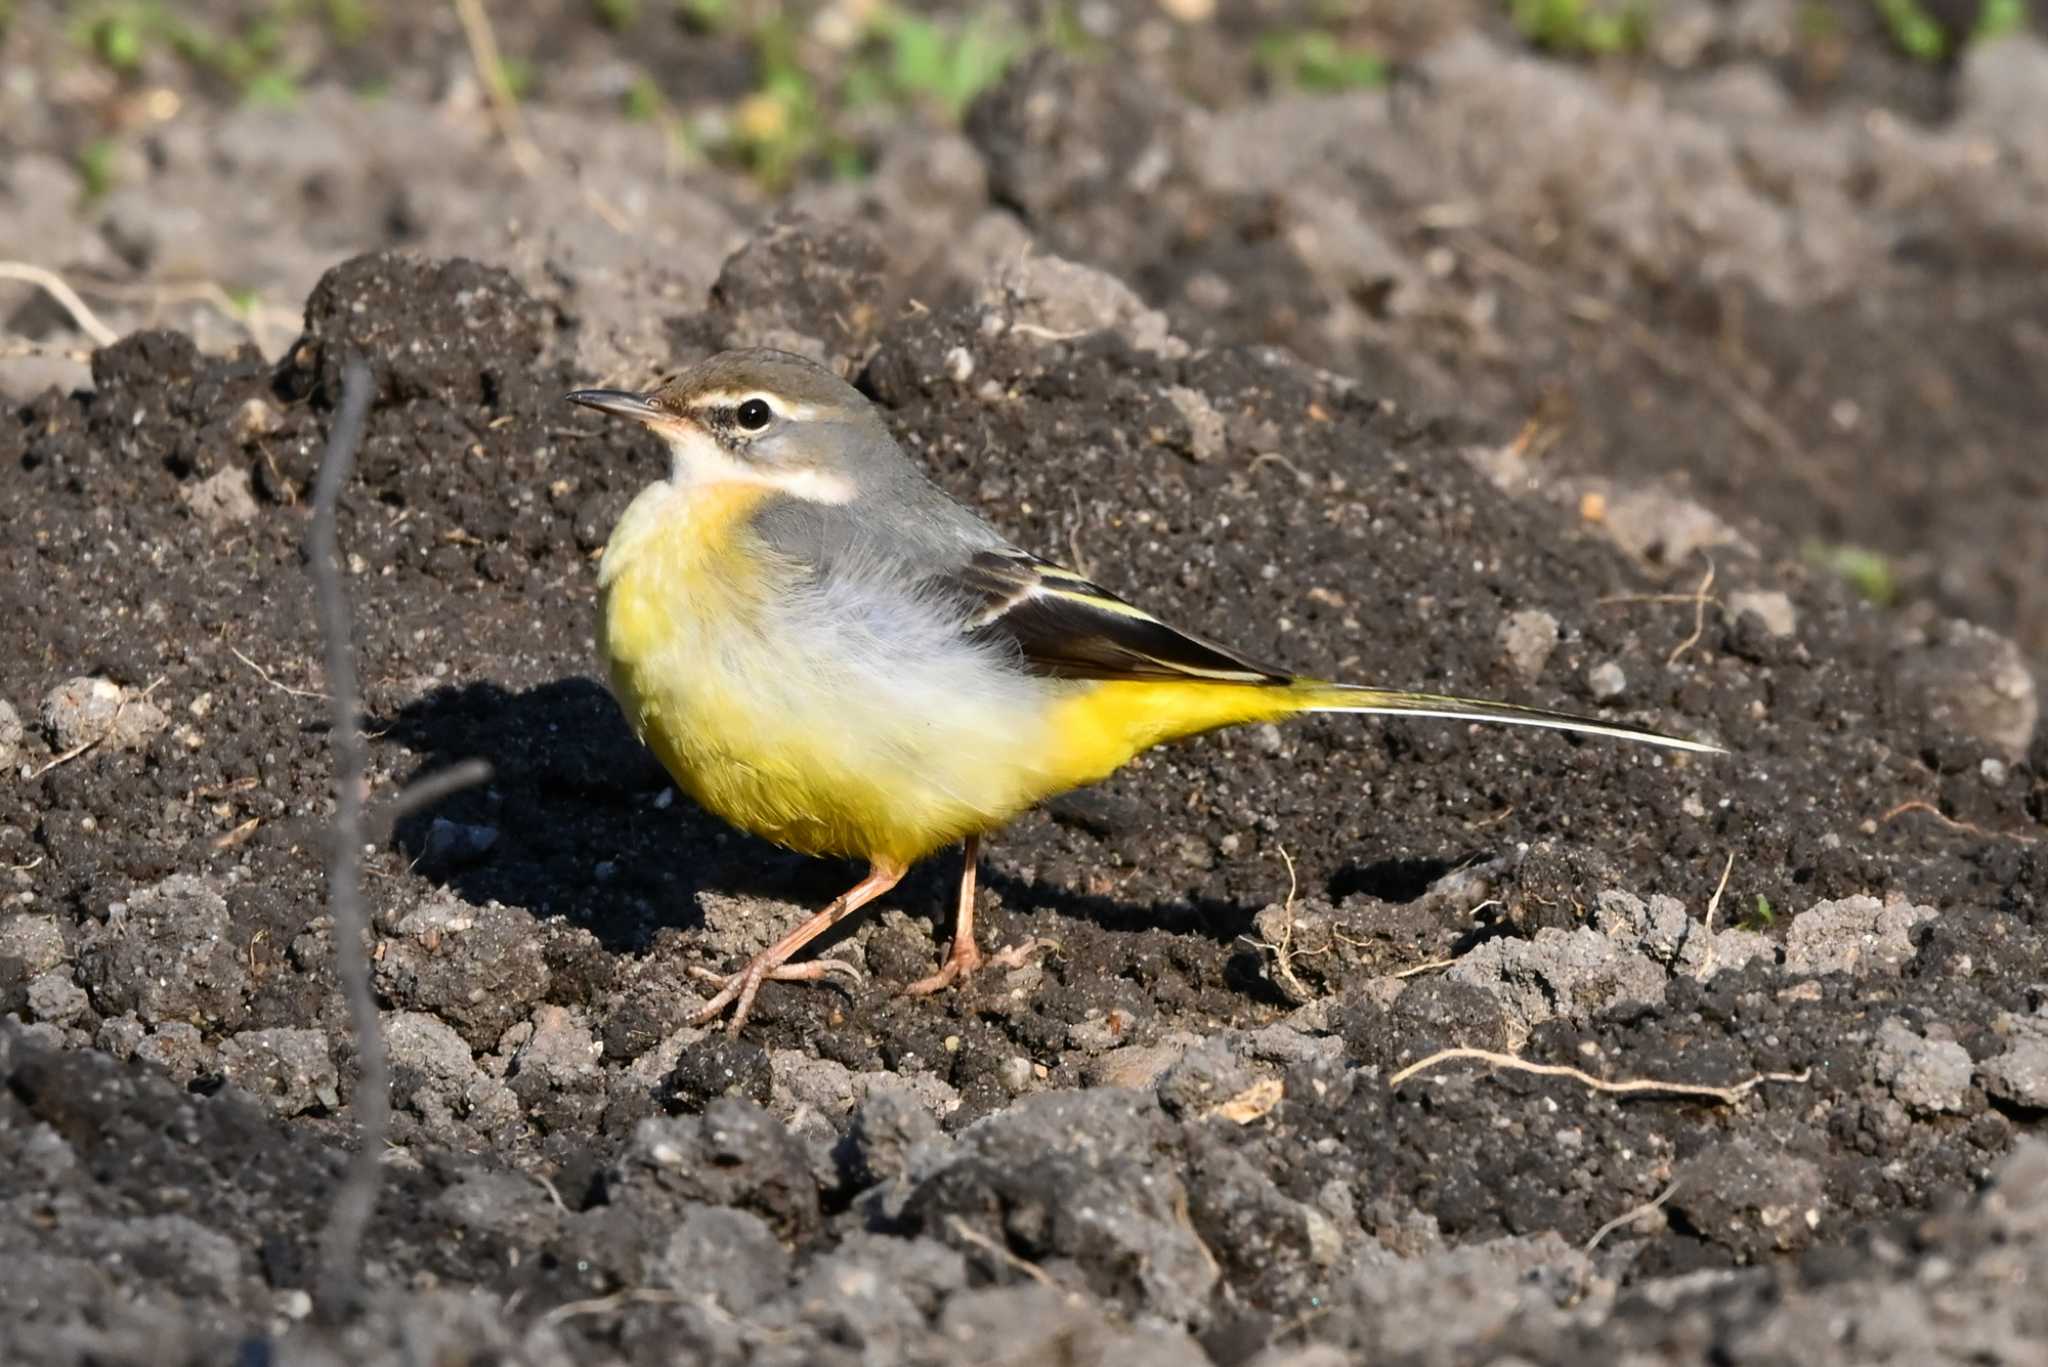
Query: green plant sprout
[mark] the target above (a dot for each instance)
(794, 118)
(251, 56)
(96, 168)
(948, 65)
(1585, 27)
(1314, 60)
(1996, 18)
(1866, 571)
(1913, 30)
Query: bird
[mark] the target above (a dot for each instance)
(825, 649)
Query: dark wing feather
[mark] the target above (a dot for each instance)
(1068, 628)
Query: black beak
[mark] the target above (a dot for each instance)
(620, 403)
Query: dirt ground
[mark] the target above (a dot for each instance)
(1699, 388)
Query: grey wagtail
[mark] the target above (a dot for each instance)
(827, 651)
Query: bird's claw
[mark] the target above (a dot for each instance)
(1016, 956)
(965, 959)
(742, 986)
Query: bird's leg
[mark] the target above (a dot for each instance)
(773, 962)
(965, 958)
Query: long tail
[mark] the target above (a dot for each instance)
(1329, 697)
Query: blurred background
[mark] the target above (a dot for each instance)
(1783, 254)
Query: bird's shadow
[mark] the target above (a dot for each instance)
(579, 820)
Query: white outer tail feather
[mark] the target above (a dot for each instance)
(1387, 702)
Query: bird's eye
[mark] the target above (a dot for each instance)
(754, 414)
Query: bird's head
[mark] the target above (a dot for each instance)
(759, 416)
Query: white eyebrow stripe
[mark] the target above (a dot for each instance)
(733, 398)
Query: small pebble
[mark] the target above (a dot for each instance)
(222, 500)
(34, 942)
(54, 997)
(11, 733)
(255, 418)
(1526, 639)
(1015, 1074)
(1772, 607)
(1607, 681)
(86, 711)
(1208, 431)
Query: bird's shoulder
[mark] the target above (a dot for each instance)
(916, 530)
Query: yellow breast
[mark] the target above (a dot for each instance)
(792, 718)
(682, 595)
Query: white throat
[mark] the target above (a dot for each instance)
(696, 461)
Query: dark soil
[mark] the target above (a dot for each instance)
(1177, 1136)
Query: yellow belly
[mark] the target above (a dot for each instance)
(793, 730)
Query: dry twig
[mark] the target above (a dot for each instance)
(1283, 952)
(1079, 561)
(603, 1305)
(230, 839)
(1707, 925)
(1728, 1096)
(1699, 617)
(1046, 334)
(357, 1198)
(1654, 1204)
(67, 298)
(274, 681)
(1968, 827)
(490, 69)
(1700, 598)
(253, 316)
(424, 792)
(341, 1245)
(967, 1233)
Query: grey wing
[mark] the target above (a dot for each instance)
(1058, 623)
(1065, 626)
